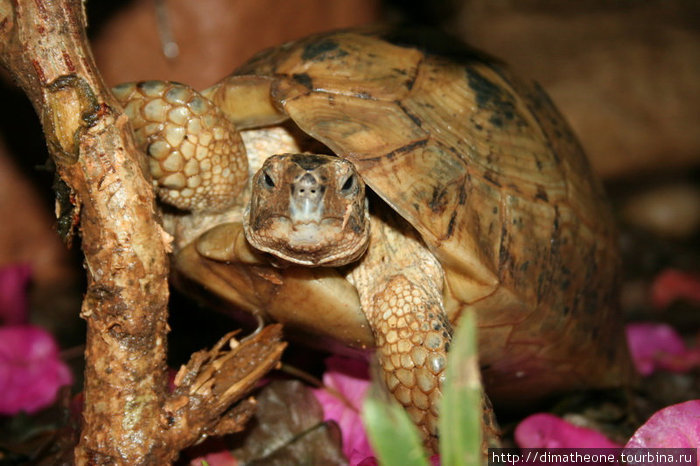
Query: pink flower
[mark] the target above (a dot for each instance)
(658, 346)
(221, 458)
(214, 451)
(13, 294)
(676, 426)
(369, 461)
(346, 381)
(548, 431)
(30, 369)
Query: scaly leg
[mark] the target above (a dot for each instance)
(400, 285)
(197, 158)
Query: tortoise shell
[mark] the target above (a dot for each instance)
(488, 172)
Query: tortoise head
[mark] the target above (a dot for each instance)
(308, 209)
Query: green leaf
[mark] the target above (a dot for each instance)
(391, 432)
(461, 406)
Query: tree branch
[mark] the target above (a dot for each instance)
(128, 417)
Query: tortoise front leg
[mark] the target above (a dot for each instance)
(400, 287)
(196, 155)
(412, 336)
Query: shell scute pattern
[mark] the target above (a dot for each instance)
(483, 166)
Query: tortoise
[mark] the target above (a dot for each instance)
(479, 199)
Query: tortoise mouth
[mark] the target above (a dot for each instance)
(324, 242)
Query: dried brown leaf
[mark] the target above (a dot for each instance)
(288, 428)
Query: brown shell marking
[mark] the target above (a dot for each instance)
(486, 169)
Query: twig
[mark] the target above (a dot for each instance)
(128, 418)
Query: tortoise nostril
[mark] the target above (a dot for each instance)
(308, 189)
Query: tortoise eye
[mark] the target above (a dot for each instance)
(267, 181)
(348, 185)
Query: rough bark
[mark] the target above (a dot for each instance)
(129, 417)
